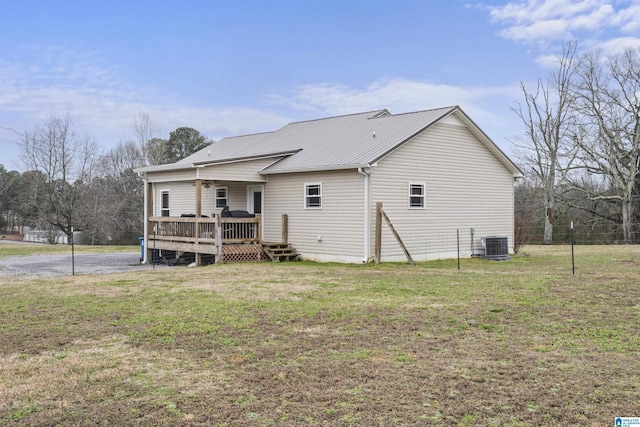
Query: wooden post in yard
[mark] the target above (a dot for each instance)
(285, 228)
(378, 241)
(197, 223)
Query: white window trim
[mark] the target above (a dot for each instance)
(423, 196)
(168, 208)
(226, 198)
(307, 196)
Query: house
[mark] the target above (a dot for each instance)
(314, 186)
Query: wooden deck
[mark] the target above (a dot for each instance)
(203, 235)
(228, 239)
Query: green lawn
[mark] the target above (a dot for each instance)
(515, 343)
(25, 249)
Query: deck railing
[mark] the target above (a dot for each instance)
(205, 230)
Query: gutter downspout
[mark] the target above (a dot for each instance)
(367, 218)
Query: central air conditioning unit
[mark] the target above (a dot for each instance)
(496, 248)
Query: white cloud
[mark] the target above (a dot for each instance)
(549, 29)
(607, 26)
(537, 21)
(102, 103)
(630, 19)
(397, 94)
(487, 106)
(617, 45)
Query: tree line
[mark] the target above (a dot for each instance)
(581, 149)
(69, 183)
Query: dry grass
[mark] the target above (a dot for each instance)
(514, 343)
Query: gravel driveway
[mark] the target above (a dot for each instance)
(60, 265)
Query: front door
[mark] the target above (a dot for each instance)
(254, 199)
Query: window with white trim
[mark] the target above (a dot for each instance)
(313, 196)
(164, 203)
(417, 195)
(221, 197)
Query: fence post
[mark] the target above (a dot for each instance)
(573, 264)
(73, 255)
(458, 238)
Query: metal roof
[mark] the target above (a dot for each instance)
(348, 141)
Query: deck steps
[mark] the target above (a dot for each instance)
(280, 251)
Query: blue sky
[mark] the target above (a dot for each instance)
(237, 67)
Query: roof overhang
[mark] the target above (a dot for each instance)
(247, 158)
(164, 168)
(187, 166)
(315, 169)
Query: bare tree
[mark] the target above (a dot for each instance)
(144, 130)
(548, 118)
(66, 163)
(118, 195)
(127, 155)
(524, 213)
(154, 150)
(158, 151)
(608, 95)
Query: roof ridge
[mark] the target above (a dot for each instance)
(248, 134)
(451, 107)
(339, 116)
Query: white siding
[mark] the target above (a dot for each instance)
(182, 198)
(236, 195)
(169, 176)
(239, 171)
(466, 186)
(333, 233)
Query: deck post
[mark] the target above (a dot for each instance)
(197, 223)
(259, 236)
(285, 228)
(378, 242)
(149, 214)
(259, 228)
(219, 239)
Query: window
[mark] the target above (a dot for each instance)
(164, 203)
(221, 197)
(313, 196)
(416, 195)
